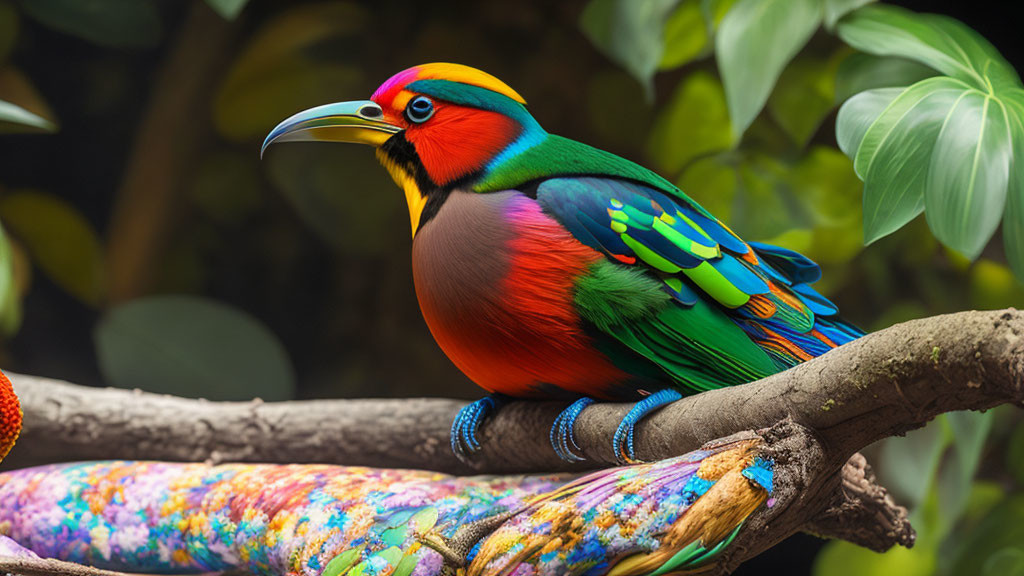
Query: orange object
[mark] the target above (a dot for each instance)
(10, 416)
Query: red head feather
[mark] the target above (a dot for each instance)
(457, 140)
(10, 416)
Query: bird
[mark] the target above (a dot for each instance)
(10, 416)
(546, 268)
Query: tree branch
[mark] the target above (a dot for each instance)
(884, 384)
(814, 418)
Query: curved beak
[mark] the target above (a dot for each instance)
(361, 121)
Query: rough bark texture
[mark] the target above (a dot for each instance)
(882, 385)
(814, 418)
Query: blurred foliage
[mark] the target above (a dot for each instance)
(290, 277)
(191, 346)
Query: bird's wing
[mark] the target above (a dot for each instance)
(741, 311)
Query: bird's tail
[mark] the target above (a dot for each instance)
(10, 416)
(679, 514)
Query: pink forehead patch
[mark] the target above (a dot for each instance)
(392, 86)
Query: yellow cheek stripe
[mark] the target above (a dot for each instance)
(413, 197)
(416, 202)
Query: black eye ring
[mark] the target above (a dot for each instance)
(419, 109)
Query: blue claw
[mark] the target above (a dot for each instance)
(622, 442)
(562, 430)
(467, 424)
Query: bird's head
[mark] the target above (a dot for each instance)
(433, 125)
(10, 416)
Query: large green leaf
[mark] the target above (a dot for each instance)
(117, 23)
(858, 114)
(945, 145)
(935, 41)
(755, 41)
(193, 347)
(630, 32)
(965, 190)
(60, 241)
(836, 9)
(894, 156)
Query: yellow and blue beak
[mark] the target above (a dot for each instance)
(361, 122)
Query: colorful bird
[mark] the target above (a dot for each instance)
(546, 268)
(10, 416)
(675, 515)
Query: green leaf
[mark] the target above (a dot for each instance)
(694, 123)
(836, 9)
(804, 95)
(755, 41)
(60, 241)
(277, 73)
(857, 114)
(1015, 454)
(228, 9)
(1013, 219)
(1006, 562)
(991, 286)
(860, 72)
(10, 300)
(969, 430)
(839, 558)
(1000, 529)
(686, 36)
(935, 41)
(894, 156)
(909, 464)
(630, 33)
(14, 114)
(115, 23)
(192, 347)
(965, 190)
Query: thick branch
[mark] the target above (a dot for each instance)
(822, 411)
(881, 385)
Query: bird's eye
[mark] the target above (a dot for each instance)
(419, 109)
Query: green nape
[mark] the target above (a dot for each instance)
(557, 156)
(610, 294)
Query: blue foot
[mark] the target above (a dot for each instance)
(623, 440)
(562, 430)
(467, 424)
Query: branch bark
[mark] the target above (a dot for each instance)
(815, 418)
(882, 385)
